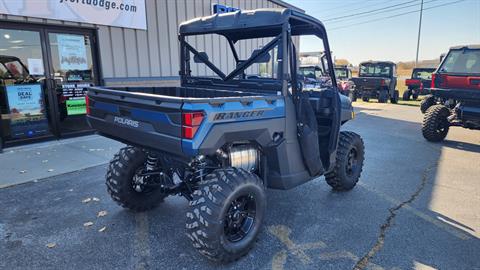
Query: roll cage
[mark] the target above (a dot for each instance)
(279, 24)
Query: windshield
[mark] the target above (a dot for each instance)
(375, 70)
(310, 72)
(341, 73)
(465, 61)
(12, 70)
(422, 74)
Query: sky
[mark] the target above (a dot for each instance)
(393, 38)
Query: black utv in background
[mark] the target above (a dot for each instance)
(377, 79)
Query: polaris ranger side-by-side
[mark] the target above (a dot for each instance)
(377, 79)
(455, 93)
(221, 140)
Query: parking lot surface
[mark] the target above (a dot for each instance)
(417, 206)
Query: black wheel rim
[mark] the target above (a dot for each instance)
(352, 161)
(442, 126)
(240, 218)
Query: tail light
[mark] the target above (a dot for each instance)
(382, 82)
(434, 77)
(190, 123)
(87, 104)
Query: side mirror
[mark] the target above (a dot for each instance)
(264, 58)
(197, 57)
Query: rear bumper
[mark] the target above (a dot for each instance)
(457, 94)
(143, 137)
(470, 114)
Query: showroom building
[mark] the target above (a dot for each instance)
(51, 51)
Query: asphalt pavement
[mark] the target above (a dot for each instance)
(417, 206)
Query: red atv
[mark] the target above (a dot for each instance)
(419, 83)
(344, 82)
(456, 93)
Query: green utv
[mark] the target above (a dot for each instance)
(221, 140)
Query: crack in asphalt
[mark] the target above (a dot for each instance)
(364, 261)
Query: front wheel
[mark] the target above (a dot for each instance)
(365, 99)
(349, 162)
(226, 214)
(406, 95)
(435, 124)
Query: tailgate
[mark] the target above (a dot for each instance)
(370, 83)
(140, 119)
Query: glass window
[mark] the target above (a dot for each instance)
(422, 74)
(341, 73)
(375, 70)
(71, 57)
(462, 61)
(23, 103)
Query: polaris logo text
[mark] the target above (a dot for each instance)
(237, 115)
(126, 122)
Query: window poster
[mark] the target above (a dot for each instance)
(27, 111)
(76, 106)
(35, 66)
(72, 52)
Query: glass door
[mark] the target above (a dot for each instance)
(72, 71)
(24, 104)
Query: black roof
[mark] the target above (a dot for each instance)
(473, 47)
(378, 62)
(252, 23)
(424, 68)
(5, 58)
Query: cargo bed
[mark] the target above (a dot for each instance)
(151, 117)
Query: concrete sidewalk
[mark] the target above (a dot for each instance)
(36, 161)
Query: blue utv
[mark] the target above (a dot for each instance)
(221, 139)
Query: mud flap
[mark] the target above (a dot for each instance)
(307, 131)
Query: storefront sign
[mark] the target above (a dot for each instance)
(72, 52)
(27, 113)
(76, 106)
(70, 90)
(121, 13)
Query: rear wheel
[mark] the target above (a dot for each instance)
(415, 95)
(395, 98)
(383, 96)
(352, 96)
(125, 184)
(349, 162)
(435, 123)
(365, 99)
(426, 103)
(226, 214)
